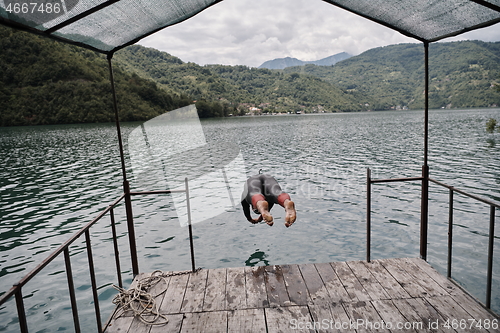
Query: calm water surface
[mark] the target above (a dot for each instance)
(54, 179)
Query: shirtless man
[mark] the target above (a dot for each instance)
(262, 192)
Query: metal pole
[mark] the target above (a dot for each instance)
(450, 232)
(490, 257)
(71, 287)
(115, 246)
(126, 185)
(21, 313)
(93, 282)
(368, 213)
(424, 206)
(190, 228)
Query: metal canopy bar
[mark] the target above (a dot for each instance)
(126, 185)
(135, 40)
(487, 4)
(22, 27)
(81, 15)
(404, 32)
(456, 33)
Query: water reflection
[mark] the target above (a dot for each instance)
(258, 258)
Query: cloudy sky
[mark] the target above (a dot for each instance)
(250, 32)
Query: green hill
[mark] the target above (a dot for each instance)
(237, 86)
(462, 74)
(45, 82)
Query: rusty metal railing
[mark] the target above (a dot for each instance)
(17, 288)
(491, 234)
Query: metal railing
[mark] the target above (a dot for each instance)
(491, 233)
(17, 288)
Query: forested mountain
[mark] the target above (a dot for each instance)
(238, 87)
(46, 82)
(462, 74)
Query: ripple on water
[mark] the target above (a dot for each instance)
(54, 179)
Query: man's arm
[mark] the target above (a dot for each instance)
(246, 211)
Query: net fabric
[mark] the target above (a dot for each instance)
(127, 20)
(426, 20)
(117, 23)
(107, 25)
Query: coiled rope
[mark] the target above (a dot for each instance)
(140, 301)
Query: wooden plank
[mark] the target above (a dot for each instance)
(288, 319)
(215, 293)
(406, 280)
(195, 292)
(350, 282)
(451, 311)
(159, 286)
(386, 280)
(173, 325)
(317, 290)
(172, 301)
(418, 310)
(120, 324)
(443, 281)
(332, 283)
(256, 287)
(246, 321)
(275, 285)
(235, 289)
(295, 285)
(320, 313)
(476, 310)
(392, 317)
(206, 322)
(368, 281)
(133, 285)
(330, 318)
(431, 287)
(364, 317)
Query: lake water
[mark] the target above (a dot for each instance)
(54, 179)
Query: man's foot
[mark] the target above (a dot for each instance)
(291, 215)
(263, 208)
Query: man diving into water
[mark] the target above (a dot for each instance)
(262, 192)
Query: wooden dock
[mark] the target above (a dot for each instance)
(389, 295)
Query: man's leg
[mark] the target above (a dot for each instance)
(259, 202)
(285, 201)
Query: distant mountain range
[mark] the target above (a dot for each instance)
(282, 63)
(36, 87)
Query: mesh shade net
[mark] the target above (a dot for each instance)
(107, 26)
(426, 20)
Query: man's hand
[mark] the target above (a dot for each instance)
(257, 220)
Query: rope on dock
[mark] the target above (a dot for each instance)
(141, 302)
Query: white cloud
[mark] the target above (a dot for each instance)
(250, 32)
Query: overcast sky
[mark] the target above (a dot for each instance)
(250, 32)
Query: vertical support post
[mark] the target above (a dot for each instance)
(424, 206)
(190, 228)
(115, 246)
(126, 185)
(93, 282)
(368, 213)
(71, 287)
(490, 256)
(450, 232)
(21, 314)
